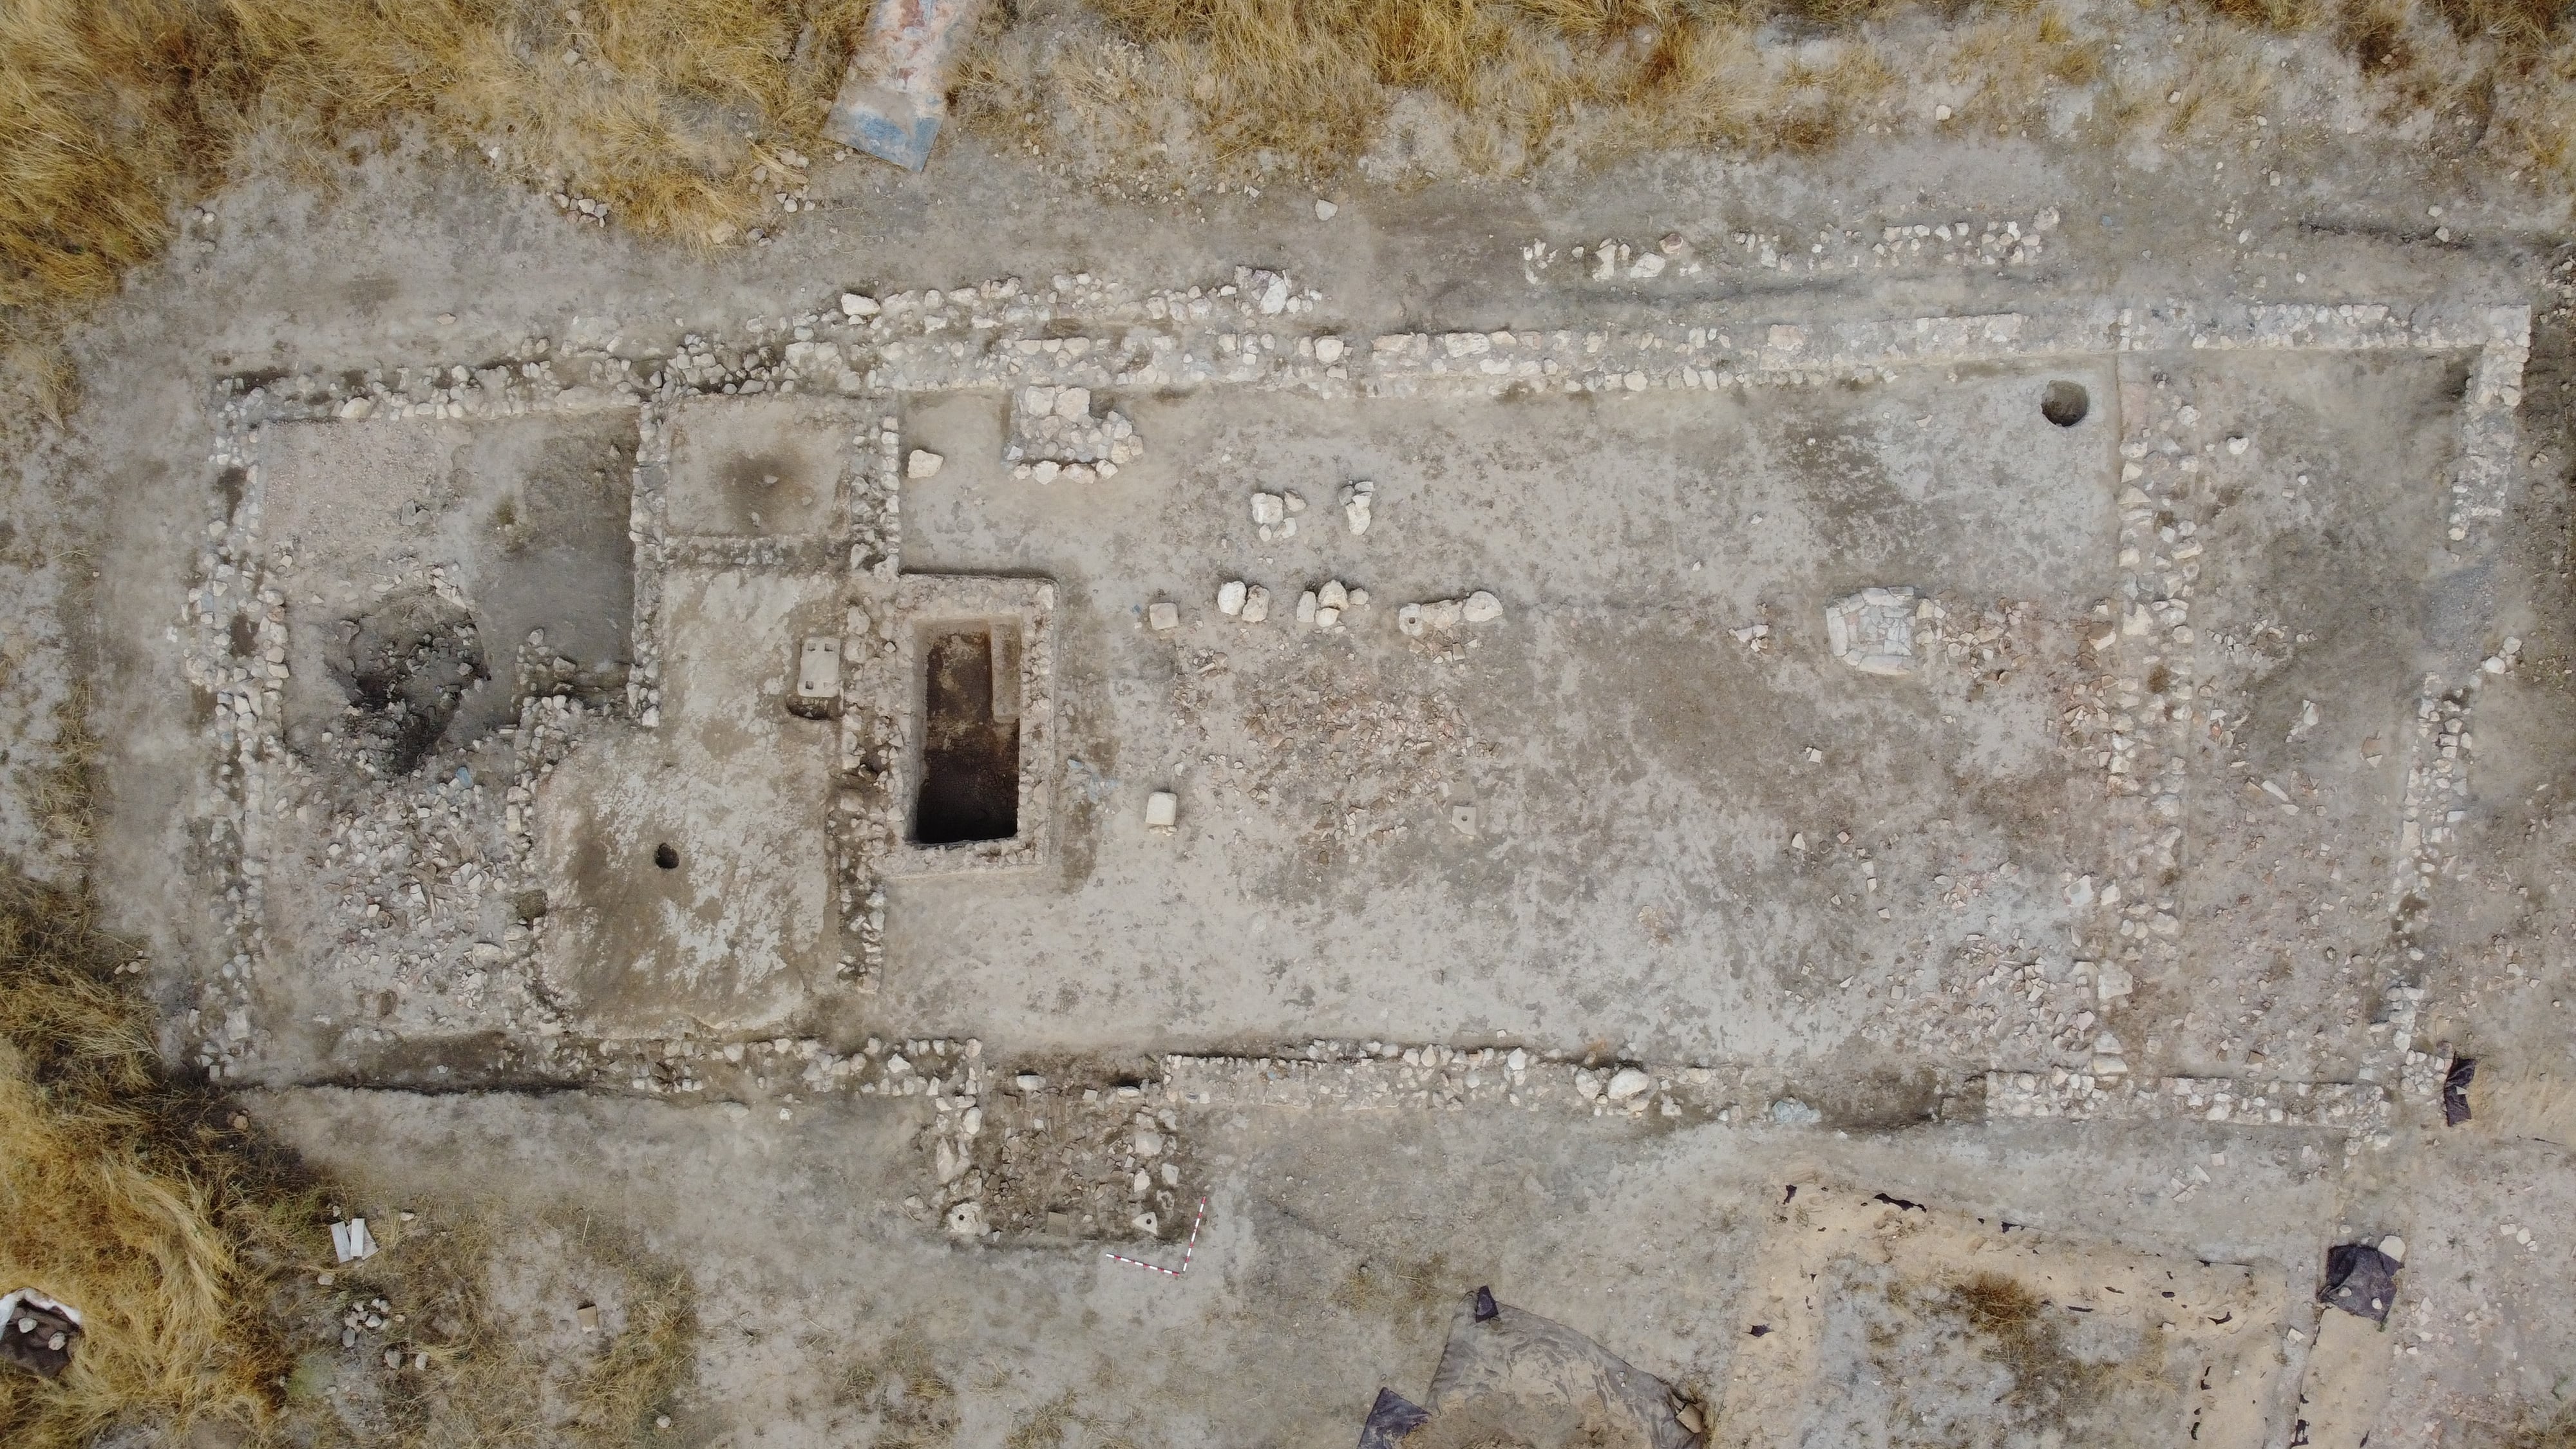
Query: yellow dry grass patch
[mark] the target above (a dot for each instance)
(191, 1248)
(127, 1198)
(113, 110)
(1312, 85)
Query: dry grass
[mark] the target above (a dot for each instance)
(484, 1387)
(114, 110)
(130, 1197)
(1312, 84)
(2543, 1430)
(914, 1404)
(1188, 91)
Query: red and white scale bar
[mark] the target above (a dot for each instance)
(1185, 1252)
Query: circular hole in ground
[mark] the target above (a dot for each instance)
(2065, 403)
(665, 857)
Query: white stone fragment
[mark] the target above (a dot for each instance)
(1332, 595)
(1356, 499)
(1229, 598)
(1256, 604)
(1268, 509)
(1328, 350)
(351, 1241)
(1628, 1082)
(1481, 607)
(1163, 615)
(922, 464)
(855, 306)
(1306, 606)
(1324, 209)
(1162, 810)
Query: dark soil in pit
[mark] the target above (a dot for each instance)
(404, 666)
(970, 761)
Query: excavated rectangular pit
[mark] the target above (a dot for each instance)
(970, 751)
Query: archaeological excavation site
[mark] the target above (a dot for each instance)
(1133, 727)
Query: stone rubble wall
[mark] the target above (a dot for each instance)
(2352, 1107)
(1006, 335)
(1913, 248)
(1350, 1076)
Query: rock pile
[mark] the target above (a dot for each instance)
(1874, 630)
(1054, 436)
(1239, 600)
(1356, 498)
(1274, 515)
(1051, 1162)
(1324, 606)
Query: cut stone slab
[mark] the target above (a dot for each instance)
(895, 94)
(818, 668)
(1873, 630)
(1162, 810)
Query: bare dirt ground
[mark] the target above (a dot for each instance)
(2122, 941)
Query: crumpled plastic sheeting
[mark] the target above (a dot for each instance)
(1540, 1376)
(1391, 1418)
(2360, 1280)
